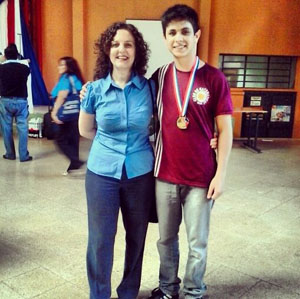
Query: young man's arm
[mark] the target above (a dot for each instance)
(224, 147)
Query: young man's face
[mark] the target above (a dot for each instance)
(181, 39)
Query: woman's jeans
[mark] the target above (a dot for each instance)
(172, 200)
(17, 108)
(105, 196)
(67, 140)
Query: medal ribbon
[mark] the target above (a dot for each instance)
(183, 108)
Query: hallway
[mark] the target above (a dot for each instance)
(254, 246)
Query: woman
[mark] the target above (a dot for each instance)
(67, 138)
(119, 174)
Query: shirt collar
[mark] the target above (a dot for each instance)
(134, 79)
(10, 60)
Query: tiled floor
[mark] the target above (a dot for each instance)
(254, 246)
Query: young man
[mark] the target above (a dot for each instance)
(192, 98)
(13, 104)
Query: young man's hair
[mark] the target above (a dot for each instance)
(180, 12)
(11, 52)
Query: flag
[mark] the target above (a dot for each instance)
(13, 29)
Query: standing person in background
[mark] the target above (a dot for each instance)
(13, 104)
(120, 164)
(2, 57)
(192, 97)
(67, 138)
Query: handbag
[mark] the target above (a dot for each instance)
(153, 130)
(69, 110)
(154, 122)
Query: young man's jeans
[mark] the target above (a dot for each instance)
(105, 196)
(171, 200)
(17, 108)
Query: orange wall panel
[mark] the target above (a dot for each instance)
(237, 96)
(56, 37)
(254, 27)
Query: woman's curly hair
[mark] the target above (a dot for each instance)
(103, 45)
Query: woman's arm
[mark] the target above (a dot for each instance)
(60, 99)
(87, 125)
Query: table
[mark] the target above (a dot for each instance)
(253, 114)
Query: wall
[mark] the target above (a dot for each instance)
(256, 27)
(70, 27)
(56, 37)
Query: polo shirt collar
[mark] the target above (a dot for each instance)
(134, 79)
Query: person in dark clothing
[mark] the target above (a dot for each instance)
(13, 104)
(67, 137)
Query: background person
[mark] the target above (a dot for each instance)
(13, 104)
(67, 138)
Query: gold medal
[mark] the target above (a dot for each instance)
(182, 122)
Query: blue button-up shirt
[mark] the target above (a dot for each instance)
(64, 84)
(122, 117)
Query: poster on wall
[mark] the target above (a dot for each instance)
(280, 113)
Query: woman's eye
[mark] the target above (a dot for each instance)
(114, 45)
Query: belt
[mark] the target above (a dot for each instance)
(16, 98)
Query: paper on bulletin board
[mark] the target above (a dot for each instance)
(255, 101)
(280, 113)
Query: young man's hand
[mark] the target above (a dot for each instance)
(214, 141)
(83, 90)
(216, 187)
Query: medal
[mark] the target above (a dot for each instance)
(182, 121)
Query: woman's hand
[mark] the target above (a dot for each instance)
(55, 118)
(214, 141)
(83, 90)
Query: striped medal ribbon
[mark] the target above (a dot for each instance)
(182, 120)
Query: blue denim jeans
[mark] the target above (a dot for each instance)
(105, 196)
(171, 201)
(17, 108)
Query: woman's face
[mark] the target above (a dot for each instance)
(122, 51)
(62, 67)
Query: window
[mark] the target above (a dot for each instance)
(253, 71)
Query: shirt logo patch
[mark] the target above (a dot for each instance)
(201, 95)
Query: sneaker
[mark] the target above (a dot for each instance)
(29, 158)
(75, 166)
(9, 158)
(75, 169)
(157, 293)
